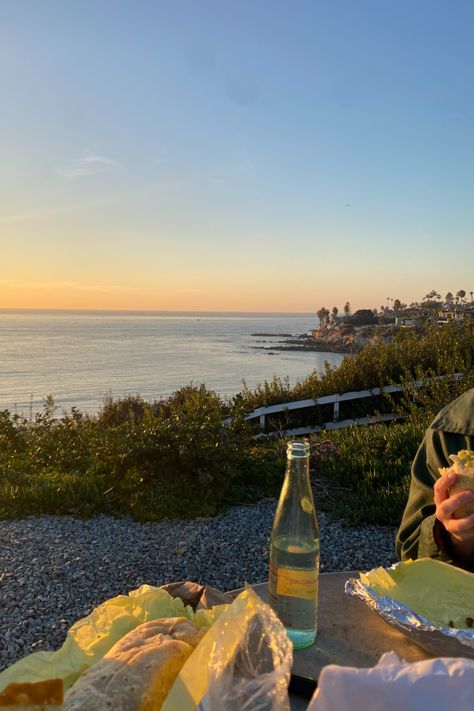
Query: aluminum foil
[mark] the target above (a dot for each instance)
(441, 641)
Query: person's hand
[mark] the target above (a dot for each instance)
(460, 530)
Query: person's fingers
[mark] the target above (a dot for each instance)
(446, 509)
(457, 531)
(442, 486)
(462, 525)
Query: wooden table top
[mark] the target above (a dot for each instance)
(349, 633)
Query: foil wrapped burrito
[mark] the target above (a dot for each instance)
(429, 601)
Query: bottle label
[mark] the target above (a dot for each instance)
(294, 582)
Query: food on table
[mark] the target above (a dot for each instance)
(32, 695)
(139, 670)
(441, 593)
(114, 660)
(463, 466)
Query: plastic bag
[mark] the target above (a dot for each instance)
(442, 684)
(91, 637)
(242, 663)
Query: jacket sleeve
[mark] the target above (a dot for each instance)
(420, 535)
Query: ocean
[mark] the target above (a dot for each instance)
(79, 357)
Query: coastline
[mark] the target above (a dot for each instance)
(342, 338)
(308, 344)
(313, 345)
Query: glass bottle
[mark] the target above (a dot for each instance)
(294, 551)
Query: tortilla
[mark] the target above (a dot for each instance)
(439, 592)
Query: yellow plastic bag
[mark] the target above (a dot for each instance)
(89, 639)
(242, 663)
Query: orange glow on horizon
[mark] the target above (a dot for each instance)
(134, 299)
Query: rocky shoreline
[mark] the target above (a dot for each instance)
(340, 338)
(308, 343)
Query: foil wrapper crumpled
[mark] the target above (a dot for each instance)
(441, 641)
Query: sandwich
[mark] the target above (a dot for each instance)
(138, 671)
(136, 674)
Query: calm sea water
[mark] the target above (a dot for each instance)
(78, 357)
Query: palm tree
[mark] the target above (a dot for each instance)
(397, 305)
(335, 311)
(449, 297)
(347, 308)
(322, 314)
(460, 295)
(471, 293)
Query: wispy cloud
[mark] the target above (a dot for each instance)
(90, 164)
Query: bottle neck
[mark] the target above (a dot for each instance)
(297, 468)
(295, 516)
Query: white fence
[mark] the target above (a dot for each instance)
(335, 423)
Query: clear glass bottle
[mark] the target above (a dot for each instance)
(294, 551)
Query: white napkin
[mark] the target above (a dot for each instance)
(442, 684)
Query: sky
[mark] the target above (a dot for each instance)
(264, 155)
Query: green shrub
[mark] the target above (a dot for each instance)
(409, 356)
(176, 458)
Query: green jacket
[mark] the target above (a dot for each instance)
(420, 534)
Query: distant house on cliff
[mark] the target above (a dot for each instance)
(448, 315)
(405, 321)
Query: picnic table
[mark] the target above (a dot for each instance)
(349, 633)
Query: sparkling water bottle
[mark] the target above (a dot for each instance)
(294, 551)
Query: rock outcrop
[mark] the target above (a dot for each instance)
(342, 338)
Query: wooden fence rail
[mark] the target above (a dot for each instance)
(335, 400)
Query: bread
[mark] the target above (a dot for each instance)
(138, 671)
(37, 696)
(463, 467)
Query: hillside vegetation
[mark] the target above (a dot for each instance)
(175, 458)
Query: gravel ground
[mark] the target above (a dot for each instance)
(55, 570)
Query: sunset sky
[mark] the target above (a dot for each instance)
(223, 155)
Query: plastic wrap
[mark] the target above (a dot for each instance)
(243, 663)
(257, 677)
(91, 637)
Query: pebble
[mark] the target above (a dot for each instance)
(56, 569)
